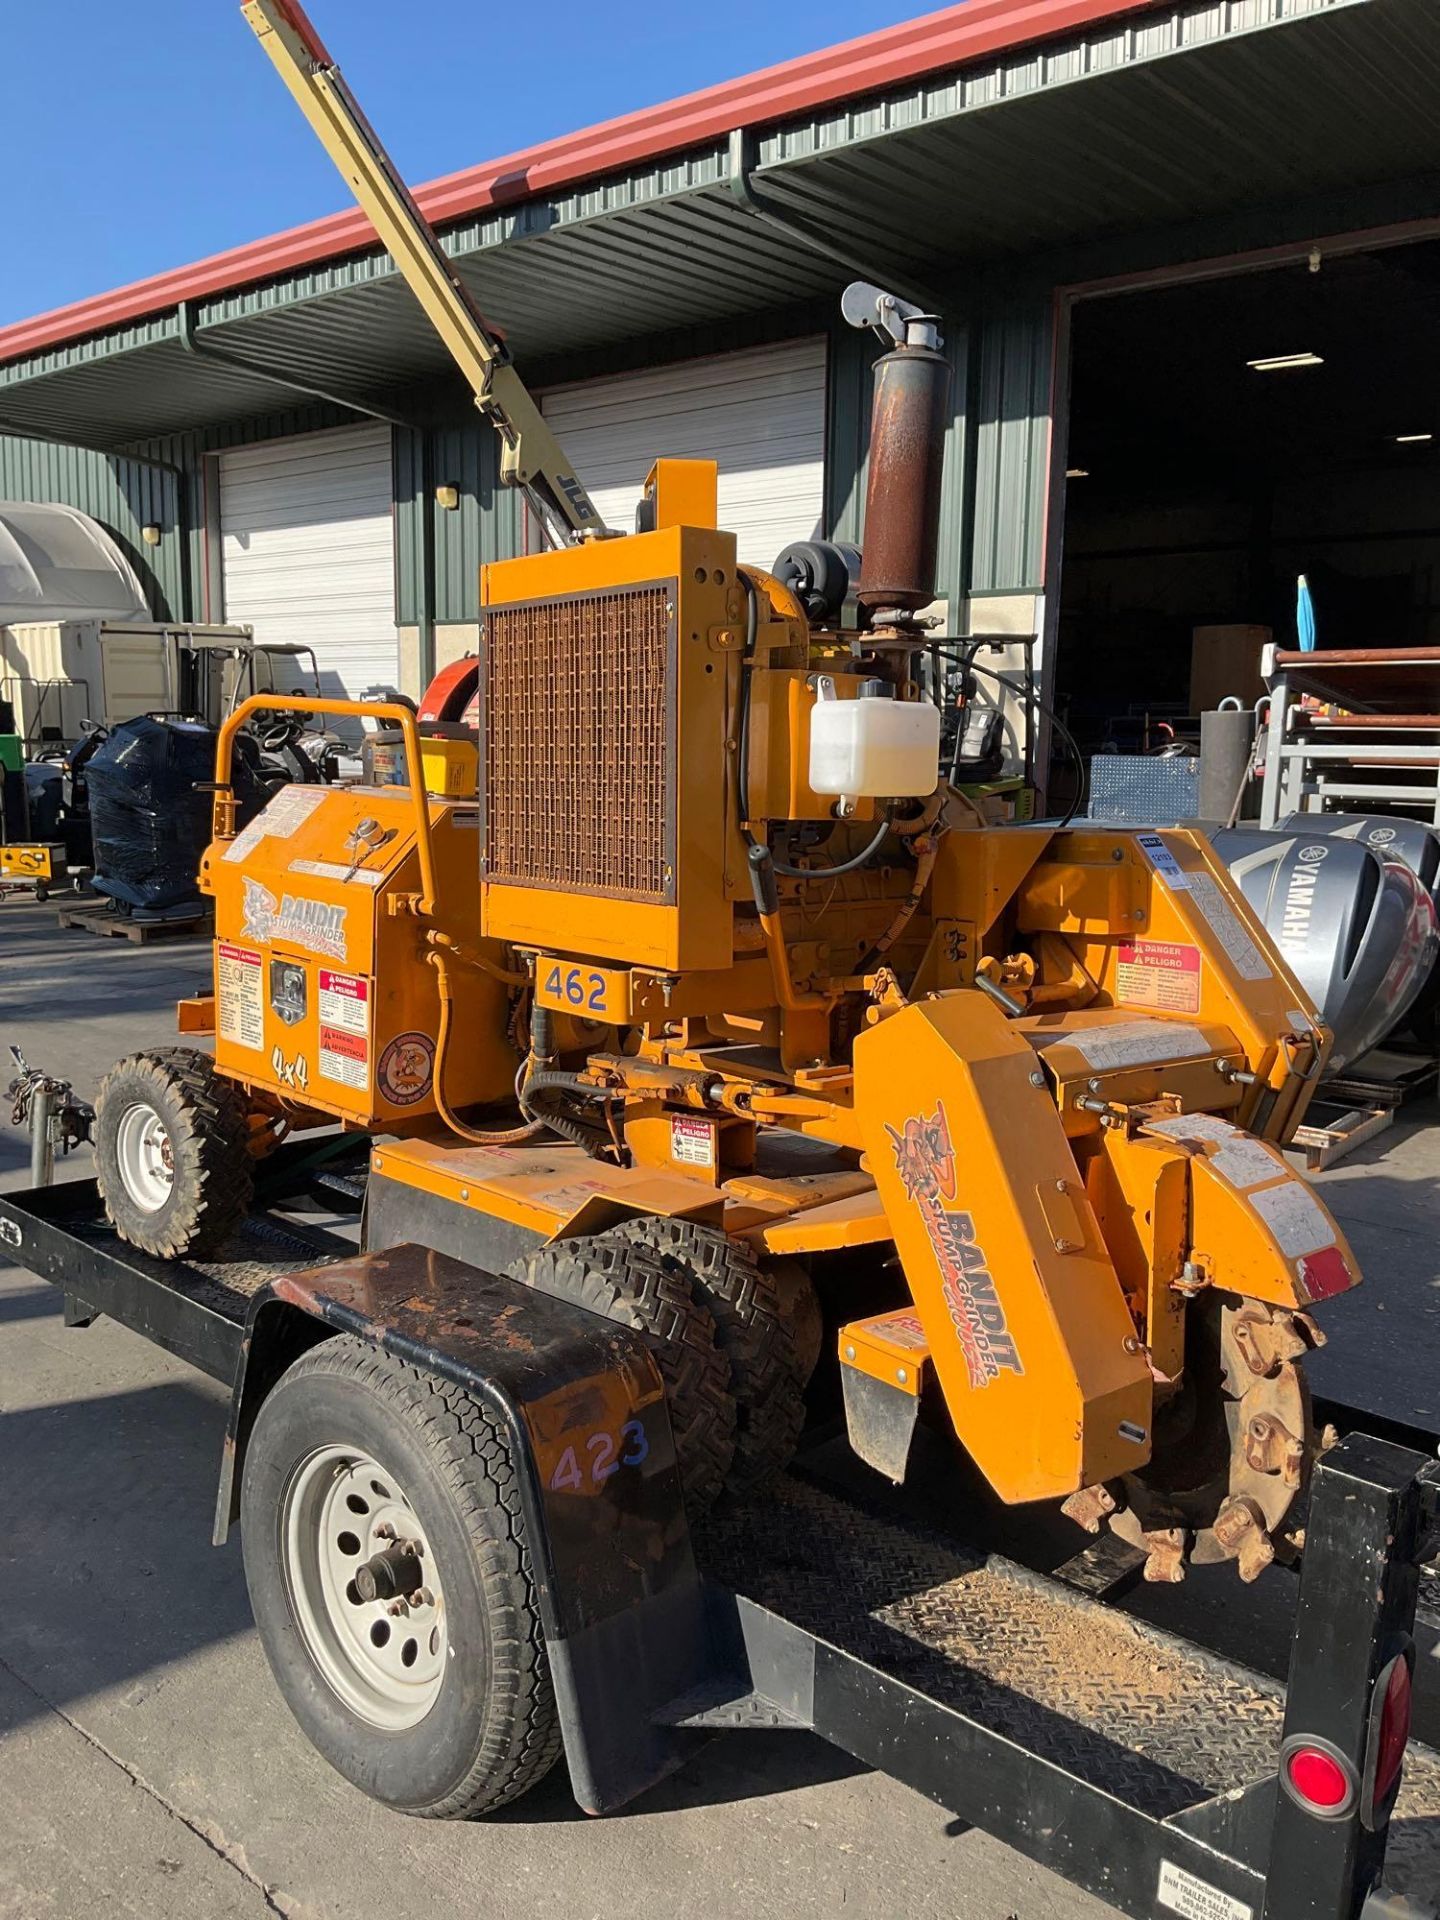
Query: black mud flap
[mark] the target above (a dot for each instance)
(619, 1596)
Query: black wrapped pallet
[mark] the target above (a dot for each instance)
(150, 817)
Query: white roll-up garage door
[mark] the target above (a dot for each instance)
(760, 413)
(308, 550)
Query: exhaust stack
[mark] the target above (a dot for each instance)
(908, 420)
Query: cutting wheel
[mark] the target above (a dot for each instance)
(1233, 1448)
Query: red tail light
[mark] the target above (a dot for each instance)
(1393, 1697)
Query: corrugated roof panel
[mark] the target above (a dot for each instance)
(158, 390)
(87, 352)
(1187, 110)
(1106, 48)
(950, 37)
(1344, 97)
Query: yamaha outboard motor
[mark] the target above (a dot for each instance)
(1359, 932)
(1393, 836)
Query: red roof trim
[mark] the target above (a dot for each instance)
(887, 58)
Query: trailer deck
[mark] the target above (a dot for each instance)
(195, 1309)
(1102, 1746)
(1157, 1723)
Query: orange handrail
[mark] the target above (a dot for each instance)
(223, 816)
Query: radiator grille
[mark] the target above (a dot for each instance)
(579, 744)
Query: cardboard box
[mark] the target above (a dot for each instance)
(1225, 661)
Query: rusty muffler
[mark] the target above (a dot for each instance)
(909, 418)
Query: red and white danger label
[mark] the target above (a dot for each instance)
(344, 1001)
(1161, 974)
(692, 1142)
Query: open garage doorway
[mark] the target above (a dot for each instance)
(1227, 436)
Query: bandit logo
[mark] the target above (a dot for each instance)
(925, 1160)
(305, 923)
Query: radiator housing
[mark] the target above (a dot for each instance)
(609, 680)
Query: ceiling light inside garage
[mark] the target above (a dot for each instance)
(1282, 362)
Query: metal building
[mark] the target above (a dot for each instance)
(273, 434)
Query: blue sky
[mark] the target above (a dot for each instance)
(140, 136)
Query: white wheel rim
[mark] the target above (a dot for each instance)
(145, 1157)
(385, 1657)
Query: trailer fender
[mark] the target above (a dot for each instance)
(581, 1398)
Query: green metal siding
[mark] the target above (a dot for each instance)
(957, 489)
(1012, 443)
(847, 430)
(410, 554)
(161, 483)
(123, 495)
(486, 525)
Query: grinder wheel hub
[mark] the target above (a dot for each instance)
(1233, 1450)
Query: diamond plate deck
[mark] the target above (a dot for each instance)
(260, 1251)
(1149, 1719)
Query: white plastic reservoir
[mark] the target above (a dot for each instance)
(873, 745)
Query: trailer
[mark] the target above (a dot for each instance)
(1135, 1764)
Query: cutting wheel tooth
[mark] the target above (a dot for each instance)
(1090, 1507)
(1241, 1533)
(1165, 1556)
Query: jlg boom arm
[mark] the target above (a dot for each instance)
(531, 455)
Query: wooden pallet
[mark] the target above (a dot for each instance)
(1330, 1140)
(1363, 1100)
(1385, 1077)
(101, 918)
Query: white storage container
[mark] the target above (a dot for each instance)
(874, 745)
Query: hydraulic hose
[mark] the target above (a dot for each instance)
(477, 1136)
(551, 1080)
(924, 867)
(507, 976)
(851, 865)
(544, 1078)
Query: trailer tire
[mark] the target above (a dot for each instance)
(466, 1721)
(766, 1377)
(625, 1280)
(172, 1152)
